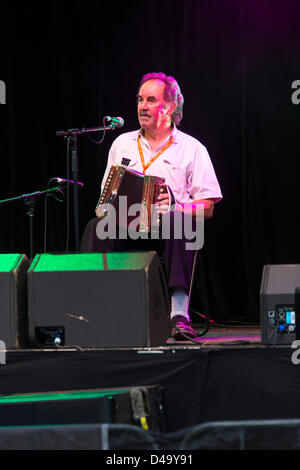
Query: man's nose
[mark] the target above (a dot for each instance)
(144, 105)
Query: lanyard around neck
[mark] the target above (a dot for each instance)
(146, 166)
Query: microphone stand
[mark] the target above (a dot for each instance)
(72, 135)
(30, 202)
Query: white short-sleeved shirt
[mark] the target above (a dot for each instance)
(185, 164)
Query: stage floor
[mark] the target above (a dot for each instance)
(218, 336)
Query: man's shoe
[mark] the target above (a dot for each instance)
(182, 329)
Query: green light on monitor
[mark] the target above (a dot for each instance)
(56, 396)
(89, 261)
(9, 261)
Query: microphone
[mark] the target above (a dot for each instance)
(64, 181)
(115, 121)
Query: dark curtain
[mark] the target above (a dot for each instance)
(68, 64)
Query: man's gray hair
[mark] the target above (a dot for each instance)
(172, 93)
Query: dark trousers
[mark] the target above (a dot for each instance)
(176, 259)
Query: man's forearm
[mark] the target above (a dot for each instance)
(197, 208)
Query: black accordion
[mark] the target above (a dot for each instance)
(139, 189)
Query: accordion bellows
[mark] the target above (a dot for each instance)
(138, 188)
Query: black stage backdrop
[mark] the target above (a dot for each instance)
(68, 64)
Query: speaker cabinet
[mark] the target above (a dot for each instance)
(141, 406)
(13, 300)
(98, 300)
(277, 303)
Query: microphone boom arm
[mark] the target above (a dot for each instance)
(84, 130)
(72, 135)
(30, 201)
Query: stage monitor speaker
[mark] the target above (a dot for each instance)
(13, 300)
(95, 300)
(140, 405)
(277, 303)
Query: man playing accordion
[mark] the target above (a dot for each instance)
(191, 188)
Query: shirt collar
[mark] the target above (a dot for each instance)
(174, 134)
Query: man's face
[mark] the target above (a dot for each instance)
(154, 112)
